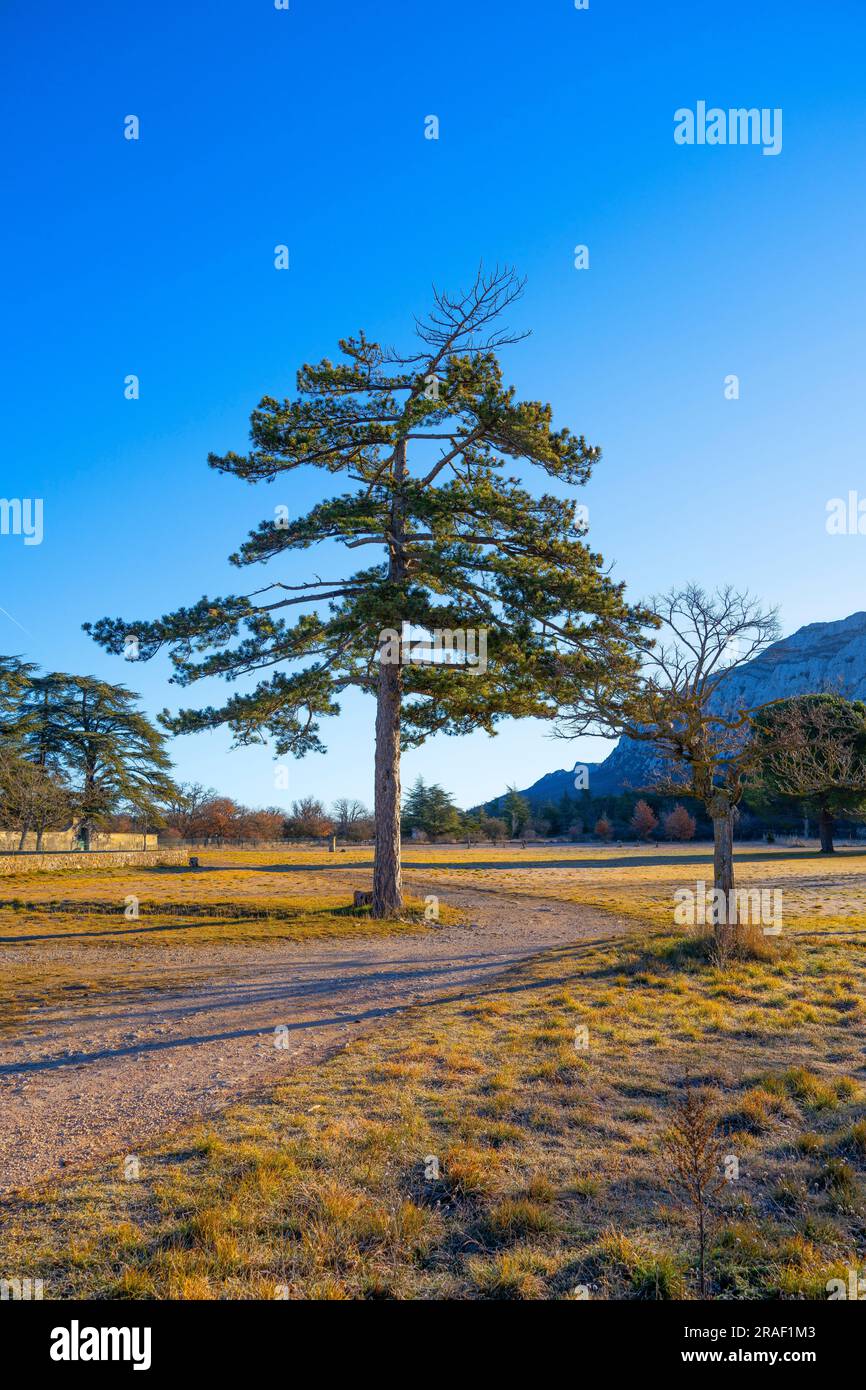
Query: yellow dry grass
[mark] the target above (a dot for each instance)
(241, 898)
(818, 892)
(477, 1148)
(290, 919)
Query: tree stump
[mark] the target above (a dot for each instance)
(193, 862)
(362, 899)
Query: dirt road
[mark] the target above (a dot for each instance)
(83, 1082)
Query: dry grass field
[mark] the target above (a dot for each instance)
(508, 1142)
(47, 918)
(641, 880)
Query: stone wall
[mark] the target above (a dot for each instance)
(96, 859)
(55, 841)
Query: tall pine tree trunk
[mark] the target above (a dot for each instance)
(826, 826)
(387, 873)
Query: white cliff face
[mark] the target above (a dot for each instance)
(817, 659)
(820, 658)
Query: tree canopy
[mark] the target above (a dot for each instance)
(432, 810)
(813, 753)
(89, 741)
(413, 453)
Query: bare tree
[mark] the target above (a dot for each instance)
(32, 798)
(678, 824)
(694, 1153)
(346, 814)
(185, 809)
(260, 825)
(308, 820)
(603, 828)
(681, 701)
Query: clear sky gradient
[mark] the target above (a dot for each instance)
(306, 127)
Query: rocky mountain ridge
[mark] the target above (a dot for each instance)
(817, 658)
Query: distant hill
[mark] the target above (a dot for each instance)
(551, 786)
(818, 658)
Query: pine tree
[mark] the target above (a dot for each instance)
(516, 810)
(442, 816)
(430, 809)
(15, 678)
(415, 807)
(110, 751)
(47, 717)
(422, 441)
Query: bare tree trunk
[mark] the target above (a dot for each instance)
(39, 833)
(387, 875)
(826, 826)
(722, 812)
(723, 851)
(24, 829)
(702, 1246)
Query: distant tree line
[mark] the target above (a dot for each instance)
(651, 815)
(200, 815)
(580, 817)
(77, 752)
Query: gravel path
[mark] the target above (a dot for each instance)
(82, 1084)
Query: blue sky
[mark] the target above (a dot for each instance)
(306, 127)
